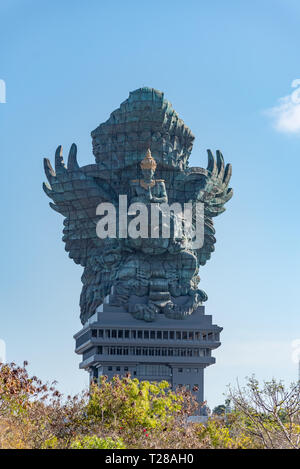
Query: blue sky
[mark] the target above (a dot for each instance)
(224, 66)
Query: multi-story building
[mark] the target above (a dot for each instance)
(113, 342)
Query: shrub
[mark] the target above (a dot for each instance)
(128, 413)
(93, 442)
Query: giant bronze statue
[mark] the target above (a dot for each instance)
(141, 151)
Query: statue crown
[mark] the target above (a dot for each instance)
(148, 162)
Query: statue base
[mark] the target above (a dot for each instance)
(113, 342)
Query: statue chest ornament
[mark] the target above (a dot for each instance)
(147, 185)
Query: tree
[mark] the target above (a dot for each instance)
(134, 409)
(219, 410)
(128, 413)
(269, 414)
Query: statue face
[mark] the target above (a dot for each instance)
(148, 173)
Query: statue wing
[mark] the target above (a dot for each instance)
(76, 195)
(210, 187)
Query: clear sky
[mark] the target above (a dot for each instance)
(224, 66)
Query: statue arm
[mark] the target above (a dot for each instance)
(163, 197)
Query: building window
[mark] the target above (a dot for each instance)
(178, 335)
(184, 335)
(125, 368)
(100, 333)
(109, 368)
(165, 335)
(158, 334)
(156, 351)
(146, 334)
(127, 334)
(107, 333)
(120, 334)
(152, 335)
(94, 332)
(171, 335)
(153, 370)
(191, 336)
(114, 334)
(140, 334)
(133, 334)
(180, 370)
(118, 368)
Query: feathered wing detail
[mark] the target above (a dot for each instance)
(216, 192)
(76, 196)
(210, 187)
(215, 195)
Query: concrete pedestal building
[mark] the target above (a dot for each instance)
(112, 343)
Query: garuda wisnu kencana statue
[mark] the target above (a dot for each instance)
(142, 154)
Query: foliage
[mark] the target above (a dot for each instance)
(219, 435)
(93, 442)
(269, 415)
(219, 410)
(127, 413)
(33, 414)
(134, 404)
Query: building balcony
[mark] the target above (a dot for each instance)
(105, 359)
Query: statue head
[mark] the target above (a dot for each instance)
(148, 165)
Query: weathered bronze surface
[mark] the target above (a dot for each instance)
(153, 275)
